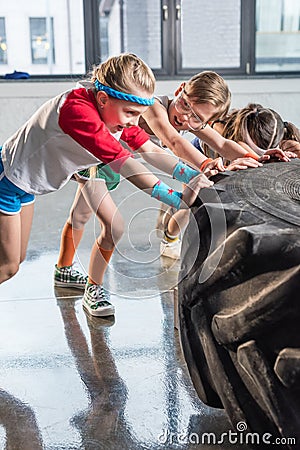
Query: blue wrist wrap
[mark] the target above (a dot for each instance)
(165, 194)
(183, 172)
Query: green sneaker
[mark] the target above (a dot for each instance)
(69, 277)
(96, 301)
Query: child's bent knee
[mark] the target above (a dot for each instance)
(8, 271)
(78, 221)
(117, 232)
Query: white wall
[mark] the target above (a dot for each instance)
(20, 99)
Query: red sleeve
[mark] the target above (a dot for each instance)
(80, 119)
(135, 137)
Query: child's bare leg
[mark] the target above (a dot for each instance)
(72, 232)
(178, 222)
(80, 211)
(14, 237)
(112, 228)
(174, 225)
(26, 216)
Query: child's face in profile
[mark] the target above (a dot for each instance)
(119, 114)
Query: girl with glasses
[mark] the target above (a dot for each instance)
(197, 103)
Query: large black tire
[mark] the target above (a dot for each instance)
(239, 312)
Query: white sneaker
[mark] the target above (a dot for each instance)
(96, 301)
(170, 249)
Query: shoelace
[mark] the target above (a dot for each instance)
(97, 291)
(77, 274)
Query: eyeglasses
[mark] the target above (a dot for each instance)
(183, 107)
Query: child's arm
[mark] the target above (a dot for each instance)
(290, 145)
(232, 150)
(145, 180)
(225, 147)
(158, 157)
(168, 162)
(266, 155)
(157, 119)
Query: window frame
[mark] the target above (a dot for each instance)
(247, 45)
(170, 45)
(4, 42)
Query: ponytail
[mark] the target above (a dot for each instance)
(291, 132)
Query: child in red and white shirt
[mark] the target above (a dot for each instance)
(77, 130)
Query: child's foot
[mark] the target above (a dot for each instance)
(96, 301)
(69, 277)
(170, 249)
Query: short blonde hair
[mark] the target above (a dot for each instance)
(210, 87)
(125, 73)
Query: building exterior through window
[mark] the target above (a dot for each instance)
(44, 37)
(3, 46)
(42, 42)
(175, 37)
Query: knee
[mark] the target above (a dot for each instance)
(117, 230)
(113, 232)
(7, 271)
(78, 221)
(22, 257)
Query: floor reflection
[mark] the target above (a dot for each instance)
(103, 425)
(101, 354)
(72, 382)
(19, 423)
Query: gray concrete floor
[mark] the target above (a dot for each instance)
(69, 381)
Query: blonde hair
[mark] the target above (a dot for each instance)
(210, 87)
(125, 72)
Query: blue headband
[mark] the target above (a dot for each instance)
(122, 95)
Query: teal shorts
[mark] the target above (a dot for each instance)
(103, 172)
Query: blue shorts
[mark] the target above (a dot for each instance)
(12, 198)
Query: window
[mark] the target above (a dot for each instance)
(133, 26)
(208, 42)
(42, 42)
(175, 37)
(45, 38)
(277, 35)
(3, 46)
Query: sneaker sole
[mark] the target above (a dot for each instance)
(98, 323)
(175, 257)
(105, 313)
(70, 285)
(167, 253)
